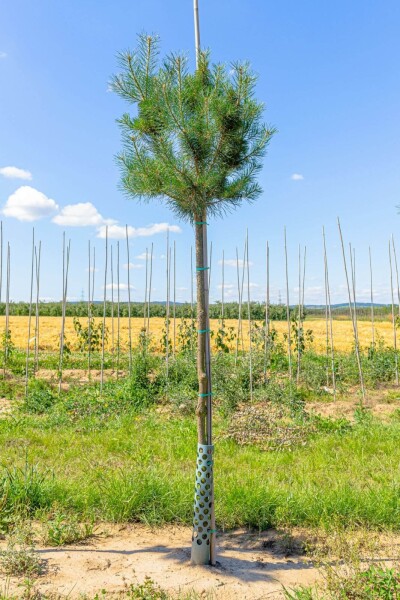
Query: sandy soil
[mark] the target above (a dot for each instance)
(250, 566)
(381, 402)
(5, 407)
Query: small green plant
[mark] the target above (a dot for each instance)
(19, 558)
(146, 591)
(8, 344)
(90, 336)
(40, 397)
(187, 335)
(223, 337)
(64, 529)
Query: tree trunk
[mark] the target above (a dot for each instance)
(203, 540)
(201, 409)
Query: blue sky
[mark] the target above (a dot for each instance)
(329, 76)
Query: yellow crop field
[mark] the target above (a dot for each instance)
(50, 328)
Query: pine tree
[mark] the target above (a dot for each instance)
(195, 141)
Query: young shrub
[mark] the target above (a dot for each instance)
(40, 398)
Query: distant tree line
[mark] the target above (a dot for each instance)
(277, 312)
(157, 309)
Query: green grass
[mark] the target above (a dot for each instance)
(140, 467)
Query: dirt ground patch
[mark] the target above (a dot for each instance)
(5, 407)
(382, 403)
(250, 566)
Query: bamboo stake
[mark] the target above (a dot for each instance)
(168, 255)
(223, 286)
(289, 341)
(150, 284)
(89, 311)
(209, 271)
(242, 294)
(302, 295)
(267, 326)
(372, 300)
(104, 314)
(112, 307)
(191, 300)
(145, 291)
(129, 304)
(299, 324)
(249, 316)
(94, 271)
(37, 322)
(326, 317)
(328, 296)
(30, 316)
(191, 283)
(64, 302)
(357, 349)
(397, 274)
(174, 313)
(7, 340)
(1, 259)
(396, 365)
(118, 315)
(239, 307)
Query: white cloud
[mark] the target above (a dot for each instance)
(141, 256)
(227, 286)
(82, 214)
(122, 286)
(118, 232)
(28, 204)
(15, 173)
(231, 262)
(132, 266)
(297, 177)
(3, 54)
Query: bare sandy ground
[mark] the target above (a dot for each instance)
(249, 565)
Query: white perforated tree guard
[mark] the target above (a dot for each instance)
(203, 498)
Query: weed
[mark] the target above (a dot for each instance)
(64, 529)
(19, 558)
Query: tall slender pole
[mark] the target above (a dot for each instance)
(30, 316)
(239, 307)
(174, 338)
(299, 324)
(372, 300)
(64, 304)
(37, 313)
(289, 341)
(118, 314)
(167, 311)
(103, 333)
(191, 300)
(8, 283)
(352, 316)
(89, 310)
(1, 259)
(396, 360)
(249, 316)
(328, 295)
(112, 306)
(267, 332)
(145, 291)
(129, 302)
(397, 274)
(326, 318)
(150, 284)
(223, 287)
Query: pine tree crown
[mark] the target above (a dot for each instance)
(196, 140)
